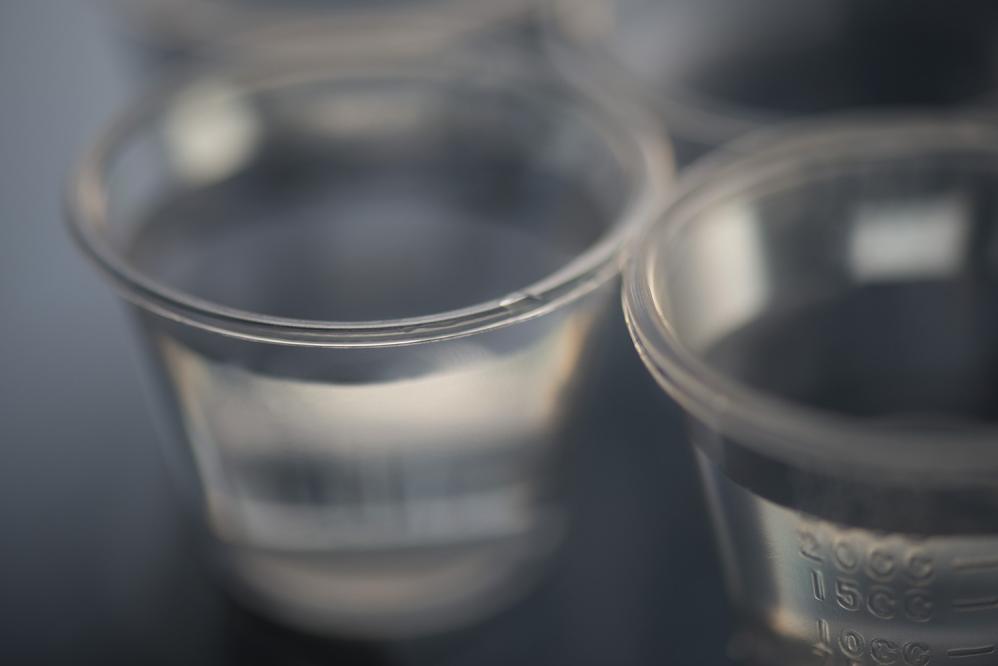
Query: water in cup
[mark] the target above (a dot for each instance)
(392, 474)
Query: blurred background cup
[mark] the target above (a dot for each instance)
(170, 33)
(717, 69)
(823, 308)
(369, 292)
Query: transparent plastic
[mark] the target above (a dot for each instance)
(247, 31)
(824, 310)
(369, 292)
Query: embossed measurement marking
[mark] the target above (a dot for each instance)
(968, 605)
(818, 585)
(975, 563)
(824, 633)
(823, 647)
(885, 579)
(810, 547)
(956, 653)
(855, 648)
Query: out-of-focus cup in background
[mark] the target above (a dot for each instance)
(369, 292)
(823, 309)
(718, 69)
(171, 33)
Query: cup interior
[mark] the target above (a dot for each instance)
(859, 284)
(363, 197)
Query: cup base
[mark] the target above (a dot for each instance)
(387, 595)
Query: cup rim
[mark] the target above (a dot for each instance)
(626, 129)
(773, 426)
(221, 29)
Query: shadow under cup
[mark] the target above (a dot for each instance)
(369, 292)
(824, 311)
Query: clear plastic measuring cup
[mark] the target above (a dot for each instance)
(213, 31)
(824, 309)
(369, 293)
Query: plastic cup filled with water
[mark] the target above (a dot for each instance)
(368, 293)
(825, 310)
